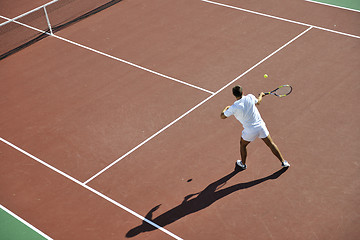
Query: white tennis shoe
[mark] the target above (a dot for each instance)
(240, 164)
(285, 164)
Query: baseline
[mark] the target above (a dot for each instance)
(332, 5)
(280, 18)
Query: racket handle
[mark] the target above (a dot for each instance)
(267, 93)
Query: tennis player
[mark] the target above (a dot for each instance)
(246, 112)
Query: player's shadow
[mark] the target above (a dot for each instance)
(203, 199)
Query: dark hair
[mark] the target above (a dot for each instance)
(237, 91)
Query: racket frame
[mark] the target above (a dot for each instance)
(273, 92)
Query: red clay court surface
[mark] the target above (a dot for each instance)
(94, 141)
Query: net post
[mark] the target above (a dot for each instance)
(48, 21)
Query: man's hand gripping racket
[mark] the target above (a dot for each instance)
(281, 91)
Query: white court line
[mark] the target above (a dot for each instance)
(91, 189)
(279, 18)
(112, 57)
(192, 109)
(335, 6)
(25, 222)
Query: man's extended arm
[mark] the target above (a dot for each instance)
(260, 98)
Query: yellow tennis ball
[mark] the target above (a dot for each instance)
(265, 76)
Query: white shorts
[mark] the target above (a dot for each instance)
(250, 134)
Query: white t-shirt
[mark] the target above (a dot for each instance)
(246, 112)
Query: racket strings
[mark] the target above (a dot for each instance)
(284, 90)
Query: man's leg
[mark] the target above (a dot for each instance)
(275, 150)
(243, 150)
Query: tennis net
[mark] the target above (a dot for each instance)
(32, 26)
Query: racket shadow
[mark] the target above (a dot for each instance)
(203, 199)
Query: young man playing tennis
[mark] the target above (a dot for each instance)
(246, 112)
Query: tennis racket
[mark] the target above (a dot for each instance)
(281, 91)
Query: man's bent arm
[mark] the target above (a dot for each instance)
(260, 98)
(222, 115)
